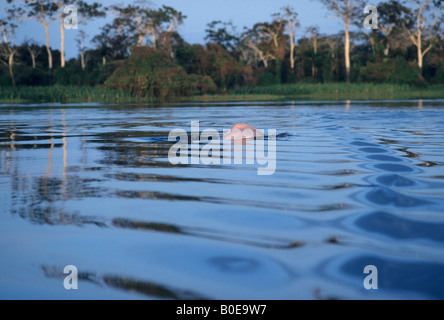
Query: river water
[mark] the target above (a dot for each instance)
(356, 184)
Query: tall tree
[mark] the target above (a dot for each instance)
(347, 10)
(85, 12)
(81, 42)
(253, 46)
(290, 18)
(115, 39)
(273, 34)
(222, 33)
(421, 31)
(391, 16)
(34, 50)
(170, 19)
(313, 33)
(8, 49)
(137, 22)
(43, 11)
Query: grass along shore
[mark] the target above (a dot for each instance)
(300, 91)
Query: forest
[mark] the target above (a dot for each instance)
(141, 52)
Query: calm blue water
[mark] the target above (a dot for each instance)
(356, 184)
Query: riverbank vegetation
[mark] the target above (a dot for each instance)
(300, 91)
(140, 56)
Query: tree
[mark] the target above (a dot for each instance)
(290, 18)
(145, 21)
(34, 50)
(222, 33)
(273, 34)
(133, 24)
(421, 31)
(80, 41)
(253, 47)
(347, 10)
(330, 71)
(117, 37)
(313, 33)
(43, 11)
(8, 50)
(170, 20)
(85, 11)
(391, 16)
(137, 21)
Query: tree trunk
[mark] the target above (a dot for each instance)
(153, 38)
(82, 52)
(82, 60)
(419, 46)
(347, 51)
(62, 38)
(313, 63)
(292, 56)
(32, 58)
(291, 49)
(387, 50)
(48, 48)
(11, 63)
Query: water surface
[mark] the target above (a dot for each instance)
(356, 184)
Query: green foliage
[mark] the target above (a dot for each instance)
(231, 62)
(71, 74)
(439, 75)
(325, 91)
(397, 71)
(202, 84)
(153, 74)
(62, 94)
(27, 76)
(343, 91)
(267, 79)
(406, 73)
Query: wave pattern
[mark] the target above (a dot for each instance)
(355, 185)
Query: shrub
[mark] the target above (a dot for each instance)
(202, 84)
(150, 73)
(397, 71)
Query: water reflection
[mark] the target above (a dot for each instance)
(252, 240)
(65, 153)
(146, 288)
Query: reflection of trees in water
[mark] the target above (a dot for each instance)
(40, 198)
(208, 233)
(36, 200)
(134, 154)
(142, 287)
(118, 149)
(55, 216)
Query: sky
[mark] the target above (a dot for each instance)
(243, 13)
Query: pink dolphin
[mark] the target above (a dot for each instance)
(240, 132)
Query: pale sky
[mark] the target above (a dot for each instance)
(199, 13)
